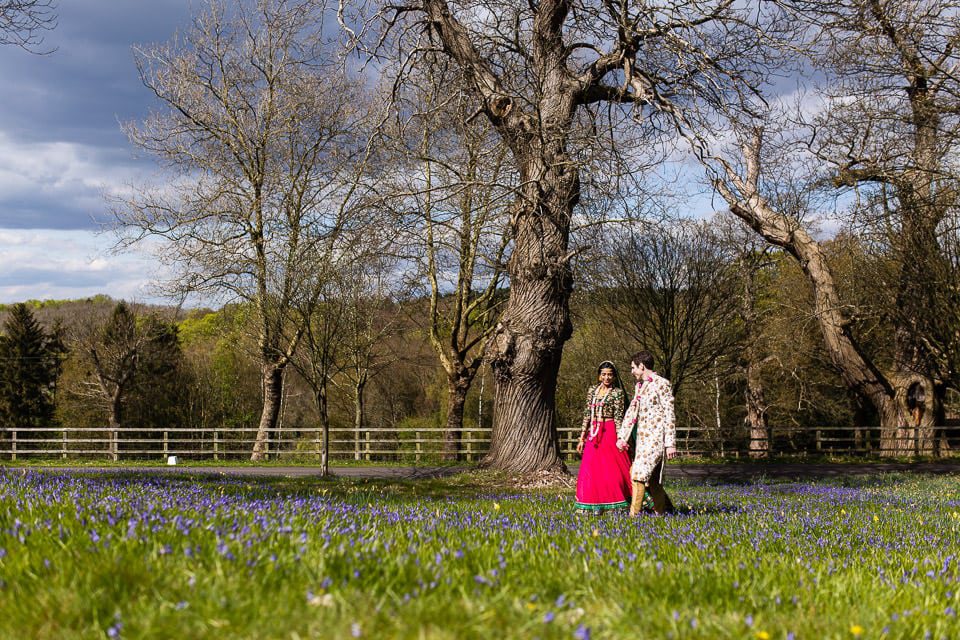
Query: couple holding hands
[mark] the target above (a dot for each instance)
(611, 475)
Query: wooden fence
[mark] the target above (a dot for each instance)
(425, 444)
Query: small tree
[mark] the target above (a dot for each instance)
(370, 317)
(320, 354)
(31, 363)
(454, 201)
(672, 288)
(121, 351)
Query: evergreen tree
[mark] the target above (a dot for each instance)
(30, 363)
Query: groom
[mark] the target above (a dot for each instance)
(651, 411)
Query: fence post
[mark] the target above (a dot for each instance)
(216, 453)
(470, 446)
(64, 452)
(366, 446)
(13, 445)
(166, 444)
(819, 444)
(418, 447)
(316, 441)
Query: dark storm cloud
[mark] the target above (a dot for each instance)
(60, 141)
(78, 92)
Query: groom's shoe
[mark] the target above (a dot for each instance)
(636, 503)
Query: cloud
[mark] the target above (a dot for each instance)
(58, 185)
(49, 264)
(80, 91)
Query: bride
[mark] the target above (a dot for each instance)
(604, 479)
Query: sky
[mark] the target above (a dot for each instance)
(62, 150)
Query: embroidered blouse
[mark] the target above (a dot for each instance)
(608, 407)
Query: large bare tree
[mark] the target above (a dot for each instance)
(544, 75)
(888, 130)
(263, 140)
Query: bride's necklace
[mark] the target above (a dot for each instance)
(597, 402)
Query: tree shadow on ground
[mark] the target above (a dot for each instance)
(462, 485)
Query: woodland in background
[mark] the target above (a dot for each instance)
(209, 377)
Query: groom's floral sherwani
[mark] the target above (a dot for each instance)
(651, 410)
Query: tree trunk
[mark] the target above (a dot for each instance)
(526, 360)
(116, 415)
(941, 445)
(457, 387)
(358, 417)
(907, 430)
(323, 410)
(757, 414)
(272, 394)
(756, 405)
(527, 345)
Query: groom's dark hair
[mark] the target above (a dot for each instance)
(643, 357)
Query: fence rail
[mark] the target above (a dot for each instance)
(426, 444)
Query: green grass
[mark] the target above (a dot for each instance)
(144, 555)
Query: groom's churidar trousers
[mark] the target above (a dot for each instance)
(661, 501)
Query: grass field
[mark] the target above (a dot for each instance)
(133, 555)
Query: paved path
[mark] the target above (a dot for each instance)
(742, 472)
(724, 472)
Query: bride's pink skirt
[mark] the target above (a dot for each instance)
(604, 478)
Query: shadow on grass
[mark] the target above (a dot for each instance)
(432, 484)
(688, 511)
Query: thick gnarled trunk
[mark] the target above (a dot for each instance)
(907, 427)
(524, 432)
(272, 394)
(527, 345)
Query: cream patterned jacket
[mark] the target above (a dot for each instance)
(651, 410)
